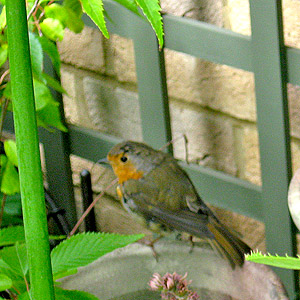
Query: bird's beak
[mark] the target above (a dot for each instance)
(103, 161)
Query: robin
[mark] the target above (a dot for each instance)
(153, 186)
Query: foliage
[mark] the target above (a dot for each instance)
(76, 251)
(47, 21)
(286, 262)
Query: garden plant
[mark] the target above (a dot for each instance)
(29, 30)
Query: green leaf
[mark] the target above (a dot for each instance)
(54, 84)
(11, 235)
(16, 258)
(52, 29)
(64, 274)
(3, 18)
(58, 12)
(61, 294)
(83, 248)
(36, 54)
(5, 282)
(51, 49)
(74, 5)
(66, 16)
(94, 9)
(10, 178)
(10, 148)
(50, 116)
(275, 261)
(42, 94)
(129, 4)
(24, 296)
(151, 9)
(3, 54)
(74, 22)
(12, 210)
(7, 91)
(18, 280)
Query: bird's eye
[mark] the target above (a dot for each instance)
(124, 158)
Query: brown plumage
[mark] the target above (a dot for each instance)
(154, 187)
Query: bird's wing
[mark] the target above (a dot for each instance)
(140, 196)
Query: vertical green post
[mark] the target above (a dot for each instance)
(269, 64)
(32, 192)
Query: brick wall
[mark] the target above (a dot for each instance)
(214, 105)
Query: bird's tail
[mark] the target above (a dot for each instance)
(203, 226)
(228, 244)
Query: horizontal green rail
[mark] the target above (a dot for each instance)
(196, 38)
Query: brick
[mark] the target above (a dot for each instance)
(119, 56)
(75, 107)
(207, 11)
(291, 20)
(218, 87)
(248, 152)
(210, 137)
(294, 108)
(239, 16)
(112, 109)
(83, 50)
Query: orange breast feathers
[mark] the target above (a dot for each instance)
(124, 171)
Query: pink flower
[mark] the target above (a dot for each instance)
(173, 287)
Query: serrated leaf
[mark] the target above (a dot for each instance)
(5, 282)
(83, 248)
(275, 261)
(129, 4)
(3, 18)
(54, 84)
(151, 9)
(52, 29)
(51, 49)
(10, 179)
(94, 9)
(11, 235)
(10, 148)
(61, 294)
(36, 54)
(16, 258)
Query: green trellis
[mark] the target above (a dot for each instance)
(273, 65)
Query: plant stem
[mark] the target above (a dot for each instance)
(91, 206)
(31, 182)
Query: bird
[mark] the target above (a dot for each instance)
(155, 189)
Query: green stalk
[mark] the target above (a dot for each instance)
(32, 192)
